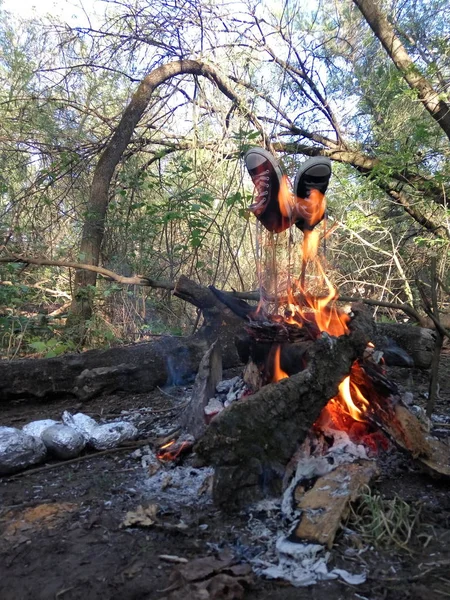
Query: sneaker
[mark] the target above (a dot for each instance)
(267, 176)
(310, 185)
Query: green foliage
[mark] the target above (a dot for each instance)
(384, 522)
(51, 347)
(178, 200)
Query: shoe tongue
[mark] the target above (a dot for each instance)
(254, 161)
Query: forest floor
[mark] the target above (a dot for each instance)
(62, 532)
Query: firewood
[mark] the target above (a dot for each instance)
(327, 503)
(388, 412)
(208, 376)
(251, 441)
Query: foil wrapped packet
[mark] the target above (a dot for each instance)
(80, 422)
(63, 441)
(19, 450)
(111, 435)
(37, 427)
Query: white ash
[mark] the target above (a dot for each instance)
(440, 419)
(213, 407)
(301, 564)
(149, 460)
(228, 391)
(179, 486)
(314, 460)
(223, 387)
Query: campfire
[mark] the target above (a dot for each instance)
(313, 408)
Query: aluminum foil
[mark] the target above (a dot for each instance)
(112, 434)
(18, 450)
(63, 441)
(37, 427)
(80, 422)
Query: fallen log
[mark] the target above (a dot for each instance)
(251, 442)
(418, 342)
(135, 368)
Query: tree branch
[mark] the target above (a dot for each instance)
(136, 280)
(384, 31)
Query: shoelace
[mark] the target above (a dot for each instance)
(259, 181)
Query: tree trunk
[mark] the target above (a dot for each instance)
(384, 31)
(93, 229)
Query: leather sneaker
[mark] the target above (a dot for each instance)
(310, 185)
(267, 177)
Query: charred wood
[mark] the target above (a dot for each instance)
(387, 411)
(251, 442)
(208, 376)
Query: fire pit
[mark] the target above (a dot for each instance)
(314, 392)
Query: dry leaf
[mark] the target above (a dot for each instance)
(142, 516)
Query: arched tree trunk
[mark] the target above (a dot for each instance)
(93, 229)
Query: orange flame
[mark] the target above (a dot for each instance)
(278, 373)
(310, 210)
(303, 307)
(320, 310)
(348, 393)
(286, 199)
(171, 450)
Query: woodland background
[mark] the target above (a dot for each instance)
(121, 147)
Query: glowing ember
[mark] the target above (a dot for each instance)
(172, 450)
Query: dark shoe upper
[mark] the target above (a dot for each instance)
(307, 208)
(310, 185)
(266, 176)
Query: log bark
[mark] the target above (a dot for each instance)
(418, 342)
(208, 376)
(251, 442)
(135, 368)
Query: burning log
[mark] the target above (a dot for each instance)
(251, 442)
(388, 412)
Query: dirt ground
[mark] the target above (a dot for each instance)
(62, 533)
